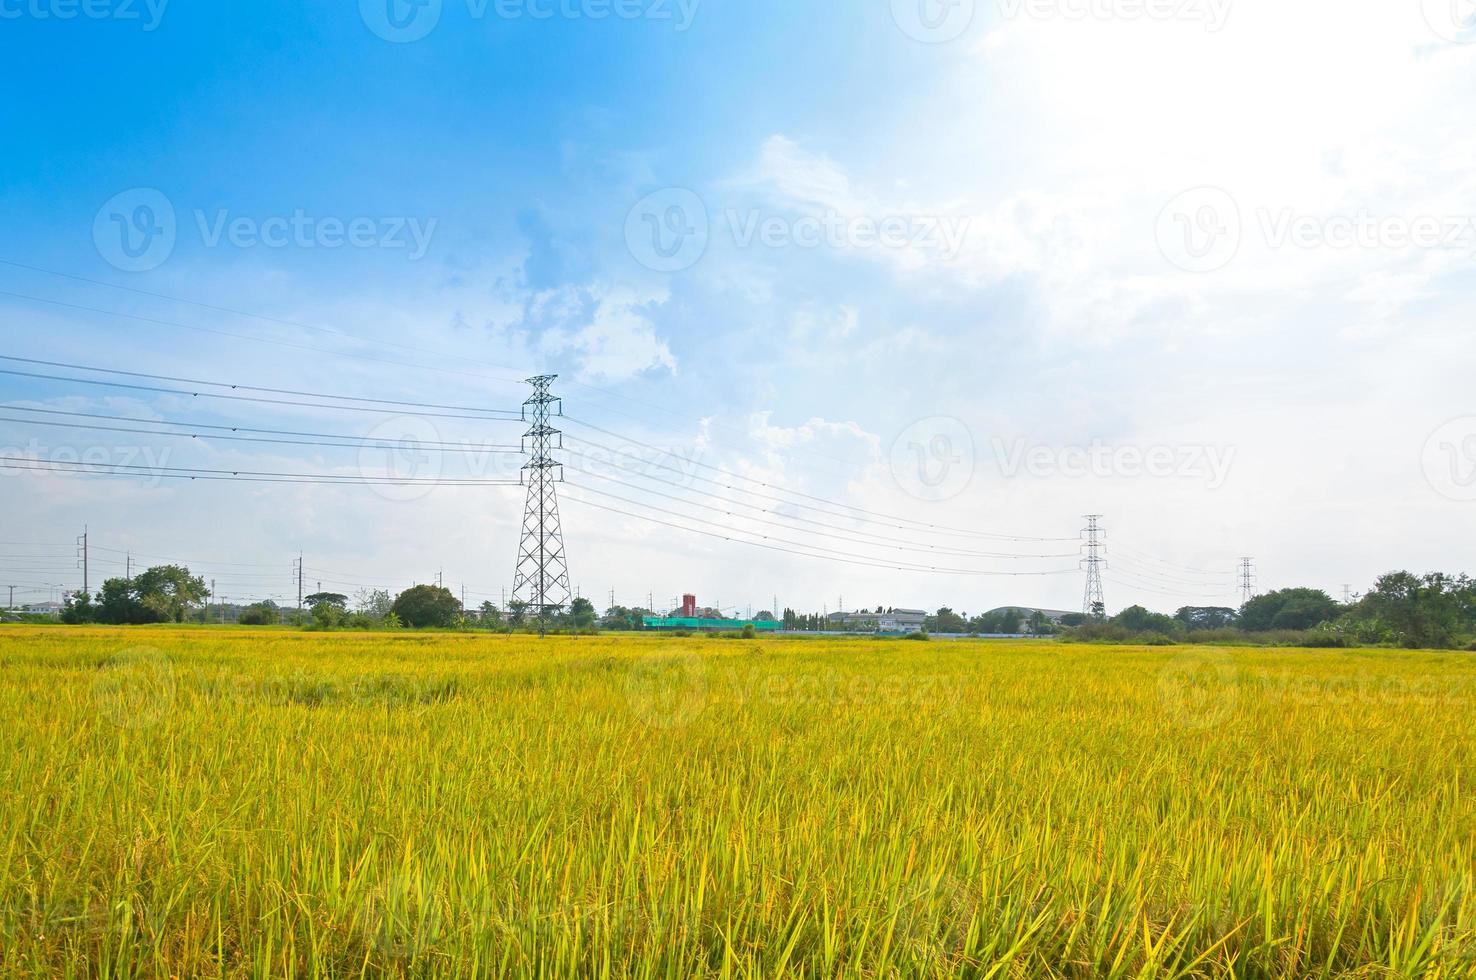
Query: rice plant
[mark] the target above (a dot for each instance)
(218, 802)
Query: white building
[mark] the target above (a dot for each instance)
(890, 621)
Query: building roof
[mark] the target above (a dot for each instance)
(1032, 610)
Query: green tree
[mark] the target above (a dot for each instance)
(945, 620)
(338, 601)
(517, 611)
(118, 604)
(1422, 612)
(260, 614)
(374, 603)
(628, 620)
(327, 616)
(491, 616)
(168, 591)
(1194, 618)
(1137, 619)
(1289, 609)
(427, 606)
(79, 609)
(582, 613)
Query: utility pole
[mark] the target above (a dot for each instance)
(299, 584)
(1347, 595)
(1095, 601)
(1247, 579)
(542, 573)
(11, 607)
(128, 565)
(219, 613)
(82, 557)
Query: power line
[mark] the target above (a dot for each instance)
(844, 557)
(233, 428)
(1130, 582)
(267, 318)
(243, 387)
(858, 538)
(398, 362)
(98, 382)
(870, 517)
(1150, 572)
(141, 554)
(1144, 556)
(245, 476)
(362, 440)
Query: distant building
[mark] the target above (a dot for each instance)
(705, 619)
(1028, 612)
(890, 621)
(699, 624)
(43, 608)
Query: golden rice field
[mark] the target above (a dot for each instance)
(216, 802)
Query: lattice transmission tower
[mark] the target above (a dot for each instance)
(542, 576)
(1247, 580)
(1095, 604)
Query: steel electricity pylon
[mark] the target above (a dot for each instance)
(542, 576)
(1095, 603)
(1247, 580)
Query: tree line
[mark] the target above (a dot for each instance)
(1403, 609)
(171, 594)
(1433, 611)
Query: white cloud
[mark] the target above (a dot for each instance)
(619, 340)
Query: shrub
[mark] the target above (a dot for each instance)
(427, 605)
(922, 637)
(260, 614)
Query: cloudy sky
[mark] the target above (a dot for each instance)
(906, 286)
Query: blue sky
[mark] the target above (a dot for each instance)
(1043, 174)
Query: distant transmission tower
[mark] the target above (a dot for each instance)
(1247, 579)
(542, 576)
(1095, 604)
